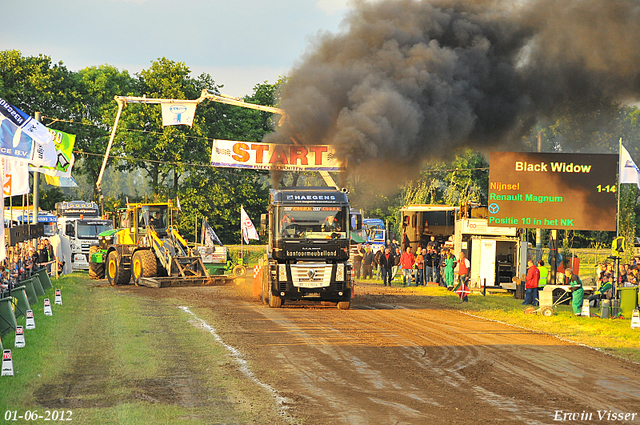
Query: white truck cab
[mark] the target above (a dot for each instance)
(80, 222)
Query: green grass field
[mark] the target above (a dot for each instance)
(108, 357)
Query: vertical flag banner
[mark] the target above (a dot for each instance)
(248, 231)
(209, 238)
(15, 177)
(64, 144)
(178, 113)
(61, 181)
(3, 249)
(27, 124)
(22, 137)
(629, 172)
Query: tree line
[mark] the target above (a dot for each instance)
(173, 161)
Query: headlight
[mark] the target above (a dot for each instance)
(339, 272)
(282, 272)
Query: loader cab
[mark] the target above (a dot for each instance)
(155, 217)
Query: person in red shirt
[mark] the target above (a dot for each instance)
(531, 287)
(407, 260)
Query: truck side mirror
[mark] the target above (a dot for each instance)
(263, 224)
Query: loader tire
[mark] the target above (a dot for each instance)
(116, 273)
(96, 270)
(143, 264)
(239, 270)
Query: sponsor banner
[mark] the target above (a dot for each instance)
(31, 128)
(3, 248)
(63, 144)
(23, 138)
(60, 181)
(15, 177)
(269, 156)
(178, 113)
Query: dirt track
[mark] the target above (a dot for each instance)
(399, 358)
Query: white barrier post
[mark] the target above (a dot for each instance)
(19, 341)
(47, 307)
(7, 363)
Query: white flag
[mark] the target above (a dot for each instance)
(629, 172)
(209, 237)
(15, 177)
(248, 231)
(44, 154)
(178, 113)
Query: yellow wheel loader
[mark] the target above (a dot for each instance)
(149, 249)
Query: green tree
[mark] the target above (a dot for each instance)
(96, 114)
(35, 84)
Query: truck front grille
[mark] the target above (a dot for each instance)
(311, 275)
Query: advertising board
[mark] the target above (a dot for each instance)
(553, 190)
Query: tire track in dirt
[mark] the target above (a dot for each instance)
(400, 358)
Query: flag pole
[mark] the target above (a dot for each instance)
(619, 177)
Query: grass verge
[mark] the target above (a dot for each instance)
(109, 357)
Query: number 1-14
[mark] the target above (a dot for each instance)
(607, 188)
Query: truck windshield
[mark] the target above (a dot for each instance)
(311, 223)
(91, 229)
(50, 229)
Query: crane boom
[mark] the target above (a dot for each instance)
(206, 94)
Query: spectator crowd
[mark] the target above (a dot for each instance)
(432, 262)
(22, 260)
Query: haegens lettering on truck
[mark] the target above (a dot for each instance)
(311, 198)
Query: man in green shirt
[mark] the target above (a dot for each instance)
(544, 272)
(605, 291)
(577, 293)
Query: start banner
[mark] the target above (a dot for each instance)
(269, 156)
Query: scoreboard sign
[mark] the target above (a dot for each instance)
(553, 190)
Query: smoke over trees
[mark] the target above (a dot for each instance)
(408, 80)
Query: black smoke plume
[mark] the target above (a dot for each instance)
(406, 81)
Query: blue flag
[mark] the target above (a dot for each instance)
(22, 137)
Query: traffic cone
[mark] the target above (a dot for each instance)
(47, 307)
(58, 298)
(635, 319)
(19, 341)
(585, 308)
(31, 323)
(7, 363)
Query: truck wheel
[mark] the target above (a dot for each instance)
(274, 300)
(239, 270)
(116, 274)
(143, 264)
(344, 305)
(96, 270)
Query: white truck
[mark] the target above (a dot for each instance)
(80, 223)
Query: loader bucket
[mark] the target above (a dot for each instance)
(174, 281)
